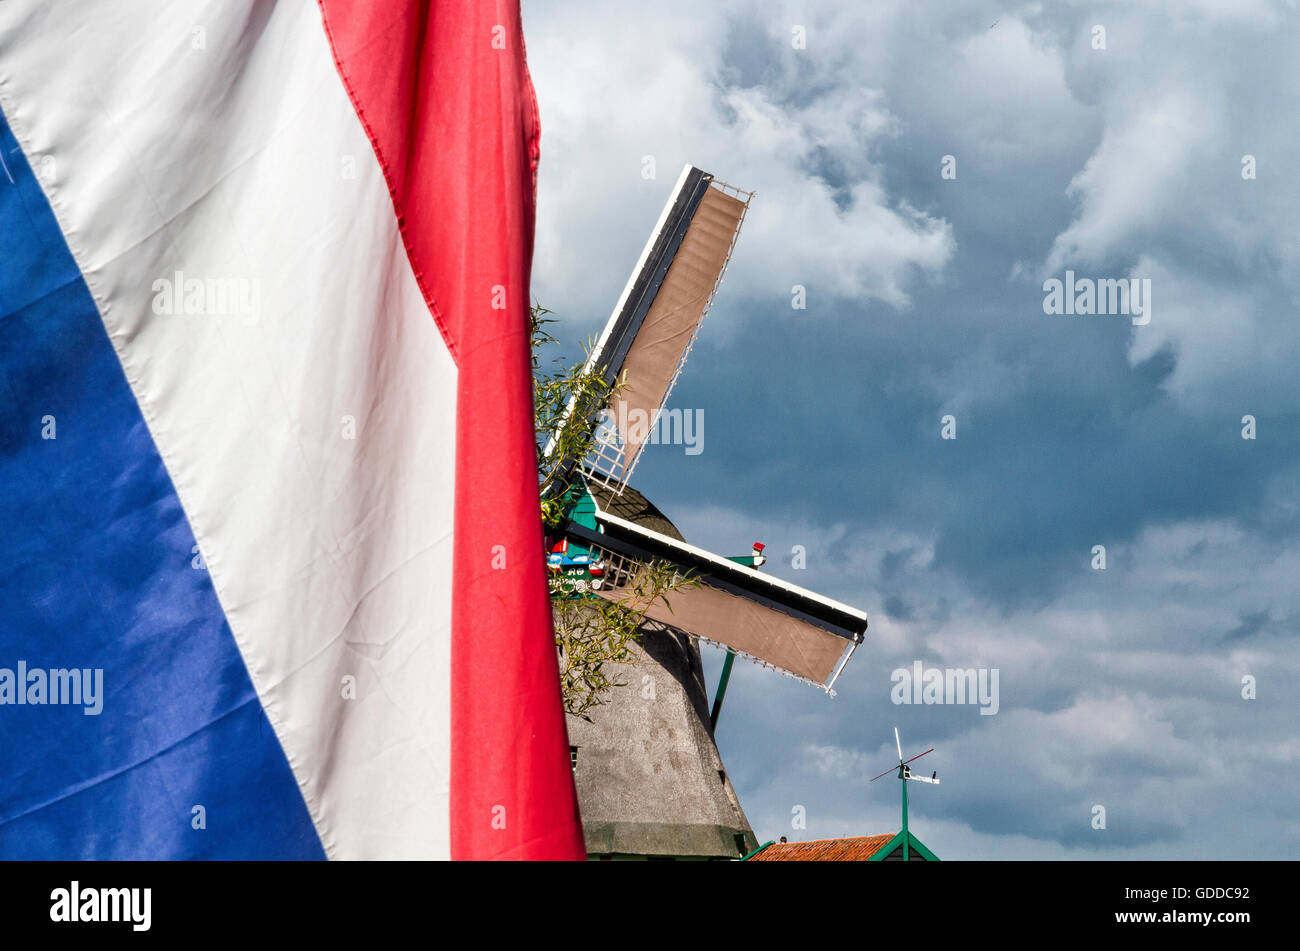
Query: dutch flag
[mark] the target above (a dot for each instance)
(271, 580)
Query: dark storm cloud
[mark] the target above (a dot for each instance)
(823, 425)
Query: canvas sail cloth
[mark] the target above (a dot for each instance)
(266, 445)
(650, 333)
(773, 622)
(750, 628)
(671, 322)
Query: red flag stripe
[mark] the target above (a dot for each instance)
(443, 92)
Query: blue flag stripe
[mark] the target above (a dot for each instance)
(98, 576)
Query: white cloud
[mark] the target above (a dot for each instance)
(1138, 180)
(1215, 332)
(616, 88)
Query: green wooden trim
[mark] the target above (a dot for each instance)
(920, 847)
(584, 508)
(666, 840)
(722, 690)
(757, 850)
(911, 841)
(903, 832)
(887, 848)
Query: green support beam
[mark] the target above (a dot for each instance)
(722, 690)
(906, 835)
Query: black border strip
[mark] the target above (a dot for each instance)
(652, 275)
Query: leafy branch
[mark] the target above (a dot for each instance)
(591, 630)
(563, 434)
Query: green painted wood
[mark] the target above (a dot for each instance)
(919, 846)
(584, 509)
(887, 848)
(722, 689)
(904, 833)
(909, 843)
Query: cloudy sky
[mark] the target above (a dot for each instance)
(1121, 687)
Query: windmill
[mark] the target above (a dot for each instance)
(905, 841)
(609, 532)
(645, 345)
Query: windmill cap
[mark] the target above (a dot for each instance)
(759, 546)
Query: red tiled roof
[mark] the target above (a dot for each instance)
(855, 849)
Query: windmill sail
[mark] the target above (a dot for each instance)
(650, 333)
(643, 348)
(771, 621)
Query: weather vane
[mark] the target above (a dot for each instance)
(905, 774)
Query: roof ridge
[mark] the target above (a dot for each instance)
(841, 838)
